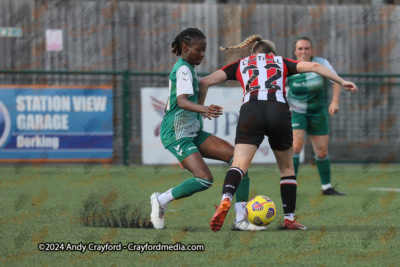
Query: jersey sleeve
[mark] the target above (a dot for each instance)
(184, 81)
(231, 70)
(291, 66)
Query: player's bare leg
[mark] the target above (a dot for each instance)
(202, 180)
(288, 188)
(320, 146)
(216, 148)
(219, 149)
(243, 155)
(196, 165)
(298, 144)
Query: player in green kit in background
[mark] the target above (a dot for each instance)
(306, 98)
(182, 132)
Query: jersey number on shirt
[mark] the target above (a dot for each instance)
(268, 82)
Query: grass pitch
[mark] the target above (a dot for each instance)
(100, 204)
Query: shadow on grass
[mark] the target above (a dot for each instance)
(353, 228)
(96, 213)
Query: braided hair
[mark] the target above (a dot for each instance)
(185, 36)
(261, 46)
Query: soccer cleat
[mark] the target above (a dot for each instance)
(292, 225)
(218, 219)
(332, 192)
(244, 225)
(157, 212)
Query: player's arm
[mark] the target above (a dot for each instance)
(213, 111)
(334, 107)
(184, 89)
(327, 73)
(226, 73)
(215, 78)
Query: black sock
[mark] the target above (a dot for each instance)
(288, 194)
(232, 181)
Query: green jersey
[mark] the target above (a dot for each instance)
(179, 123)
(307, 90)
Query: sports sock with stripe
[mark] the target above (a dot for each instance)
(296, 162)
(190, 186)
(231, 183)
(288, 195)
(242, 192)
(324, 170)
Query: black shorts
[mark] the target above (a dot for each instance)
(270, 118)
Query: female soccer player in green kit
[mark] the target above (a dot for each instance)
(306, 98)
(182, 132)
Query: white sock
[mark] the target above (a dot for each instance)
(227, 195)
(289, 217)
(240, 208)
(326, 186)
(166, 197)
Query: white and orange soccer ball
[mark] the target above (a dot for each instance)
(260, 211)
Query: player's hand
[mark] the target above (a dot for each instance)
(214, 111)
(333, 108)
(349, 86)
(204, 115)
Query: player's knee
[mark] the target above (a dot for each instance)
(297, 148)
(287, 171)
(209, 177)
(322, 153)
(204, 175)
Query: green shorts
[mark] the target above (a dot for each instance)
(312, 123)
(186, 146)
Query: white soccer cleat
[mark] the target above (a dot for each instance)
(245, 225)
(157, 212)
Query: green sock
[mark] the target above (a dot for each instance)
(296, 162)
(324, 169)
(190, 186)
(242, 193)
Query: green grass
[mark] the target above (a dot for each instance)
(50, 204)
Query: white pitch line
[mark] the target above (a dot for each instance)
(385, 189)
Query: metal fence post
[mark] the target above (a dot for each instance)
(126, 124)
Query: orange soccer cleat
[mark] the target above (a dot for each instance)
(292, 225)
(218, 219)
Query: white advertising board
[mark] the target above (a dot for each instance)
(152, 109)
(54, 40)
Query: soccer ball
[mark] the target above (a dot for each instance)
(260, 211)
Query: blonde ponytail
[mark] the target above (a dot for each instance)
(248, 41)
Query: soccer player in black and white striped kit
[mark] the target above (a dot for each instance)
(264, 112)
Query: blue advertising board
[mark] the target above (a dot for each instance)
(56, 123)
